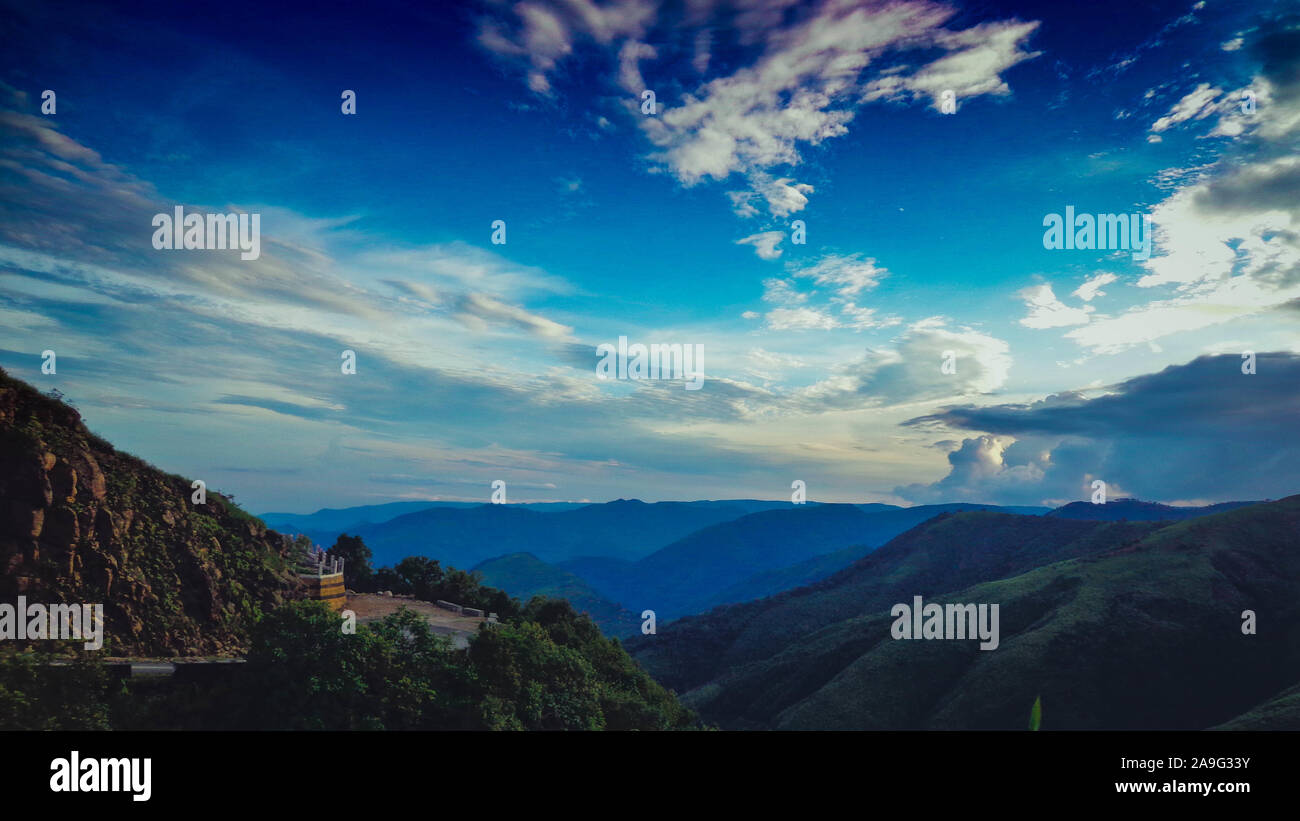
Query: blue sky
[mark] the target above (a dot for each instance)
(476, 361)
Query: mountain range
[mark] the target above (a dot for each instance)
(465, 536)
(671, 557)
(674, 558)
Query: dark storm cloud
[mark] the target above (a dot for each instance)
(1203, 430)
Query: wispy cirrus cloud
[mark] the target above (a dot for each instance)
(838, 281)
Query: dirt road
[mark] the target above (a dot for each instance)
(370, 607)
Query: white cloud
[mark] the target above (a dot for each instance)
(800, 319)
(849, 275)
(980, 472)
(978, 57)
(782, 292)
(742, 202)
(784, 196)
(629, 71)
(1046, 311)
(1196, 104)
(863, 318)
(765, 243)
(481, 311)
(543, 34)
(1261, 108)
(1092, 287)
(912, 371)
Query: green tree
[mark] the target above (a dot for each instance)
(386, 578)
(422, 576)
(304, 673)
(460, 587)
(357, 571)
(529, 682)
(36, 695)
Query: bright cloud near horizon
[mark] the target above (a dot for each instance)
(919, 241)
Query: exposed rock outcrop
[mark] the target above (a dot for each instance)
(83, 522)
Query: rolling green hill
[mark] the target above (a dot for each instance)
(1114, 625)
(948, 552)
(1135, 510)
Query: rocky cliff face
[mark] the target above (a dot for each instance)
(81, 522)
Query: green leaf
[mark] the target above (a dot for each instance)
(1036, 714)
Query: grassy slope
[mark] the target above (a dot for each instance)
(1282, 712)
(948, 552)
(1141, 635)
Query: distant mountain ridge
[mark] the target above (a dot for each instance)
(465, 535)
(625, 529)
(333, 521)
(1134, 510)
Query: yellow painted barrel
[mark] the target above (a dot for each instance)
(328, 589)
